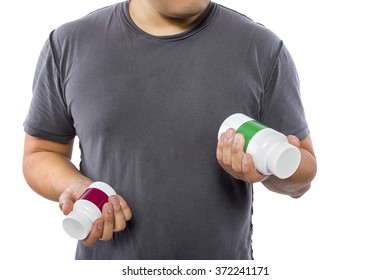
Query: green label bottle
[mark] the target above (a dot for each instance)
(270, 149)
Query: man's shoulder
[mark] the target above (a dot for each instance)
(93, 22)
(243, 25)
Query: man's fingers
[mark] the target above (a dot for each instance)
(66, 202)
(220, 148)
(115, 214)
(293, 140)
(249, 171)
(95, 234)
(227, 148)
(125, 208)
(232, 158)
(109, 223)
(119, 217)
(237, 152)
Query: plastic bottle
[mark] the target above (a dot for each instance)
(270, 149)
(88, 208)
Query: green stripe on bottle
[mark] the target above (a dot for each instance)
(249, 129)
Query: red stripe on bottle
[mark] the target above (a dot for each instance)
(96, 196)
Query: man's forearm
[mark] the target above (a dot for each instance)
(48, 169)
(49, 174)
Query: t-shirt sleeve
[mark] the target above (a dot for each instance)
(282, 107)
(48, 116)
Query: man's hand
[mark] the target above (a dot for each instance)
(231, 157)
(49, 171)
(115, 212)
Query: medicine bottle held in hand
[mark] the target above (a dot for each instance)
(88, 208)
(270, 149)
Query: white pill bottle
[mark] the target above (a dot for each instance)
(270, 149)
(88, 208)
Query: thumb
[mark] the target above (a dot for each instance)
(293, 140)
(66, 202)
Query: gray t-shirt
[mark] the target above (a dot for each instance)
(147, 110)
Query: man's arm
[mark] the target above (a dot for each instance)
(300, 182)
(231, 157)
(49, 171)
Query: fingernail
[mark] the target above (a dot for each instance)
(229, 133)
(237, 138)
(115, 201)
(100, 225)
(109, 209)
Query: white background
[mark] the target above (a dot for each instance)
(338, 230)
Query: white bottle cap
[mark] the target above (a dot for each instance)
(284, 160)
(77, 225)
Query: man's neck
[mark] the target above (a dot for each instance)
(155, 23)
